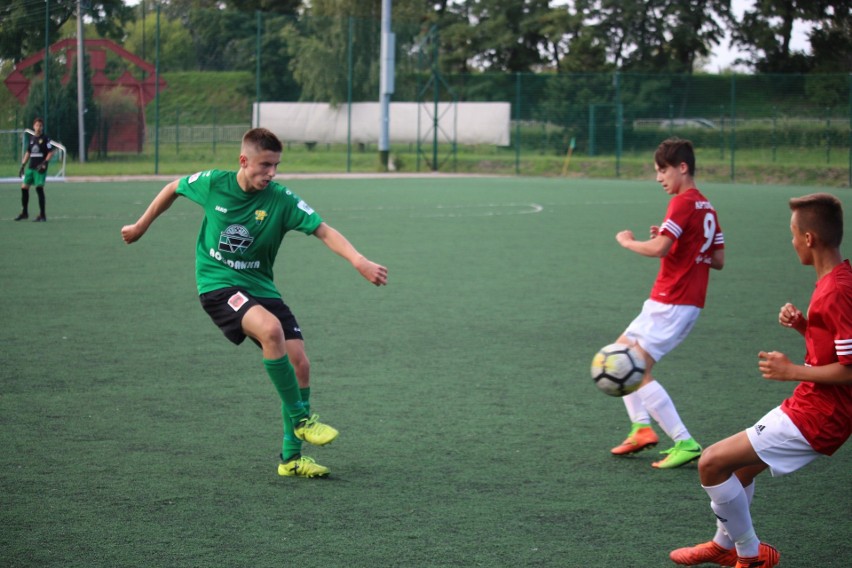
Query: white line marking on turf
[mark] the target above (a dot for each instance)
(486, 210)
(456, 210)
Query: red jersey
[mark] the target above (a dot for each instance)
(823, 413)
(685, 271)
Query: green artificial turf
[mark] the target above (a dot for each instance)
(134, 435)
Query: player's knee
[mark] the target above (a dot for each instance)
(710, 466)
(270, 333)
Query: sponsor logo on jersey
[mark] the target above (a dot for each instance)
(235, 239)
(197, 175)
(221, 209)
(305, 207)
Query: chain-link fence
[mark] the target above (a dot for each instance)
(215, 67)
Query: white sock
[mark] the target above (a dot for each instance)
(730, 503)
(721, 537)
(635, 409)
(660, 406)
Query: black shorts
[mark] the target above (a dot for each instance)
(227, 306)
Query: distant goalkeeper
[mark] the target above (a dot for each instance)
(34, 170)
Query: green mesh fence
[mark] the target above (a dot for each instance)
(777, 128)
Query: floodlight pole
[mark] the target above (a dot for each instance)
(81, 96)
(386, 82)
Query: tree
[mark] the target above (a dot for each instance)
(766, 30)
(497, 35)
(660, 35)
(320, 43)
(23, 22)
(831, 40)
(177, 52)
(283, 7)
(62, 117)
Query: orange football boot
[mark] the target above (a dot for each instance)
(767, 558)
(704, 553)
(641, 437)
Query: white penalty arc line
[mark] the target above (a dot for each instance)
(455, 210)
(485, 210)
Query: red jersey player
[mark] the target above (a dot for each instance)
(815, 420)
(689, 243)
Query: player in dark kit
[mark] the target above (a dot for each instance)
(34, 170)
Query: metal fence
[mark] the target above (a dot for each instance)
(604, 124)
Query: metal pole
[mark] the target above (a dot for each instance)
(46, 58)
(349, 99)
(517, 123)
(143, 35)
(257, 72)
(618, 118)
(81, 96)
(157, 95)
(386, 86)
(733, 124)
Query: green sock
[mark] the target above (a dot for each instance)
(306, 398)
(292, 446)
(283, 376)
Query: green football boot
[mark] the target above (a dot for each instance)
(302, 466)
(314, 432)
(682, 453)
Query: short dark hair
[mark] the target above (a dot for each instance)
(38, 119)
(262, 139)
(674, 152)
(821, 214)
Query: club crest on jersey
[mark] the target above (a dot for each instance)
(235, 239)
(260, 215)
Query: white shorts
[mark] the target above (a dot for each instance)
(778, 442)
(661, 327)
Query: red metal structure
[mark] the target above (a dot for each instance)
(126, 130)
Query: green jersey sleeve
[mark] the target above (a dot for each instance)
(197, 186)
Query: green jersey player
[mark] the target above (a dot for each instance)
(246, 216)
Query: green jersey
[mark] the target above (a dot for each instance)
(242, 231)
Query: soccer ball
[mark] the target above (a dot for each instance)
(617, 369)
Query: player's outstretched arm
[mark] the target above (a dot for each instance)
(161, 203)
(335, 241)
(778, 367)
